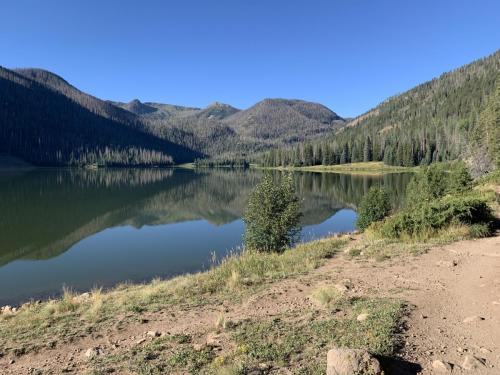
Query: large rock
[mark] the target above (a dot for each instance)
(473, 363)
(441, 366)
(351, 362)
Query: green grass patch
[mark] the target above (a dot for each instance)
(365, 168)
(295, 342)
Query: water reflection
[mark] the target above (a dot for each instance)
(100, 227)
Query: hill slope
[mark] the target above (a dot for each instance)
(435, 121)
(46, 121)
(222, 129)
(431, 122)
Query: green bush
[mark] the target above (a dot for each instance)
(373, 207)
(436, 181)
(459, 179)
(429, 218)
(272, 217)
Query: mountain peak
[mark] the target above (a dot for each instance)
(139, 108)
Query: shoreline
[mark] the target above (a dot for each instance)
(370, 168)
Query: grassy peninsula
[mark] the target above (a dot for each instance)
(364, 168)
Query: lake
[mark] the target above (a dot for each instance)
(98, 228)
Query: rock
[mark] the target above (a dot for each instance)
(496, 302)
(199, 347)
(7, 309)
(441, 366)
(213, 340)
(264, 366)
(351, 361)
(93, 352)
(447, 263)
(341, 288)
(362, 317)
(153, 333)
(140, 341)
(484, 350)
(474, 318)
(473, 363)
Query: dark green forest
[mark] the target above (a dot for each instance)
(437, 121)
(43, 126)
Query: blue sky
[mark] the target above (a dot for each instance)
(346, 54)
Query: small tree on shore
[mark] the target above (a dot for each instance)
(374, 207)
(272, 216)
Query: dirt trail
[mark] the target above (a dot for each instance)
(453, 292)
(457, 307)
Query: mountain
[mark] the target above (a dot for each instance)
(222, 129)
(275, 121)
(46, 121)
(435, 121)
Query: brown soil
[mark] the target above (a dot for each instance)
(443, 287)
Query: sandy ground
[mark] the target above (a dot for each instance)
(453, 294)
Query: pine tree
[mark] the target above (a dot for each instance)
(368, 150)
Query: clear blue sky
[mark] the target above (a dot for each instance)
(346, 54)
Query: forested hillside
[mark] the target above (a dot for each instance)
(221, 129)
(45, 121)
(433, 122)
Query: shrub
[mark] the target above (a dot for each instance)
(272, 217)
(373, 207)
(429, 183)
(459, 178)
(427, 219)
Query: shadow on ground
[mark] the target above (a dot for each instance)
(398, 366)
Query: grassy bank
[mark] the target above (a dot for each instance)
(290, 338)
(369, 168)
(236, 276)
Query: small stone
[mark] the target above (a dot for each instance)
(484, 350)
(11, 362)
(362, 317)
(213, 340)
(264, 366)
(441, 366)
(473, 363)
(93, 352)
(153, 333)
(199, 347)
(496, 302)
(351, 361)
(447, 263)
(474, 318)
(140, 341)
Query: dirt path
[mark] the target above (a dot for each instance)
(453, 292)
(457, 308)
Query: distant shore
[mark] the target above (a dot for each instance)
(365, 168)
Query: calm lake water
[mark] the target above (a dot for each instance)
(85, 229)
